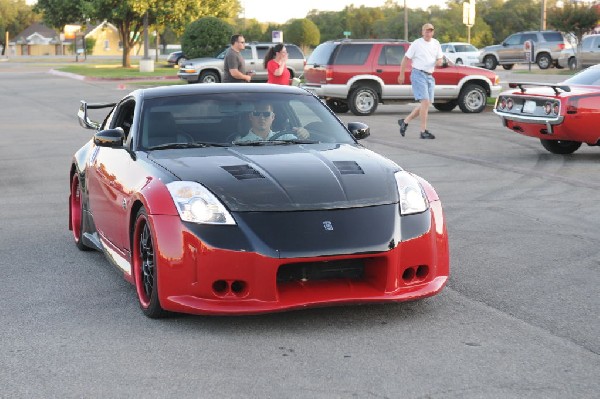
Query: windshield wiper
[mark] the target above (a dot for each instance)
(169, 146)
(273, 142)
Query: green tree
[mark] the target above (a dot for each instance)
(360, 21)
(331, 24)
(579, 19)
(205, 37)
(302, 32)
(15, 16)
(128, 15)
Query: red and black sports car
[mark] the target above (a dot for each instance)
(562, 116)
(241, 199)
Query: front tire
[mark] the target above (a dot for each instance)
(363, 101)
(472, 99)
(337, 106)
(145, 267)
(544, 61)
(76, 213)
(209, 77)
(445, 107)
(561, 147)
(489, 62)
(572, 63)
(458, 62)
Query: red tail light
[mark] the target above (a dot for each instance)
(561, 46)
(328, 74)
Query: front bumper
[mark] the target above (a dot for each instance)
(201, 279)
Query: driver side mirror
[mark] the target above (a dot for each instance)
(359, 130)
(112, 138)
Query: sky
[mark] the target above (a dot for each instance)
(280, 11)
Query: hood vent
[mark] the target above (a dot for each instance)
(348, 168)
(243, 172)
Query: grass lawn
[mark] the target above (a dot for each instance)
(116, 71)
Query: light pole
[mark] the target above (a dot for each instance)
(405, 22)
(543, 17)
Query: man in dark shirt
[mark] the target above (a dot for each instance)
(235, 67)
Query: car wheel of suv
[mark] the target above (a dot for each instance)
(337, 106)
(561, 147)
(209, 77)
(572, 63)
(363, 100)
(489, 62)
(445, 107)
(508, 67)
(544, 61)
(472, 98)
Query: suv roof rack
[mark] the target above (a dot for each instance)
(370, 40)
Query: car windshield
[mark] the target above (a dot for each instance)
(587, 77)
(237, 119)
(465, 48)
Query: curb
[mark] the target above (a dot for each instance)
(92, 78)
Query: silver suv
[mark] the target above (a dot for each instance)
(547, 47)
(210, 70)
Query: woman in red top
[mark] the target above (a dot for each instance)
(275, 61)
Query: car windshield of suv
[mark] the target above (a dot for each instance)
(465, 48)
(588, 77)
(226, 119)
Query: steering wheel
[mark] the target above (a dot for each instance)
(282, 133)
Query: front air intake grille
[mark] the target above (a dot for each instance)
(243, 172)
(348, 168)
(353, 269)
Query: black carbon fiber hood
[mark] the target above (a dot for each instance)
(287, 177)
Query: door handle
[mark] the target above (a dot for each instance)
(379, 70)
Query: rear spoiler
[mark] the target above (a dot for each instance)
(554, 87)
(84, 119)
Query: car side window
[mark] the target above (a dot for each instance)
(353, 54)
(552, 36)
(528, 36)
(596, 44)
(294, 52)
(391, 55)
(587, 43)
(247, 53)
(513, 40)
(123, 116)
(261, 51)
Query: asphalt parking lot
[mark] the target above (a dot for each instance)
(518, 319)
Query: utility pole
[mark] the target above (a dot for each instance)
(543, 17)
(405, 22)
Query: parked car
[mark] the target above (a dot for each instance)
(588, 53)
(203, 222)
(461, 53)
(547, 47)
(176, 58)
(210, 70)
(357, 75)
(562, 115)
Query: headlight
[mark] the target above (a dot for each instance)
(412, 197)
(198, 205)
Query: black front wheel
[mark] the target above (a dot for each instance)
(337, 106)
(76, 213)
(445, 107)
(561, 147)
(489, 62)
(145, 267)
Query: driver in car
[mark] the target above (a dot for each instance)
(261, 120)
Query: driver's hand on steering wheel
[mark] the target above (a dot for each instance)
(301, 132)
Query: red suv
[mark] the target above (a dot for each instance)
(360, 74)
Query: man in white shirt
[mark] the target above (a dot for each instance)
(425, 54)
(261, 120)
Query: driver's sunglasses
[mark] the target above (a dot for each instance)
(265, 114)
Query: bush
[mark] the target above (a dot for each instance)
(205, 37)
